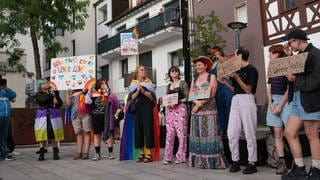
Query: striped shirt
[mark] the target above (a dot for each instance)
(279, 85)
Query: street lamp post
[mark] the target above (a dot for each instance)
(185, 39)
(237, 27)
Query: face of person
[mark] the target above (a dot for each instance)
(174, 73)
(294, 44)
(200, 67)
(45, 86)
(141, 72)
(103, 85)
(273, 56)
(210, 51)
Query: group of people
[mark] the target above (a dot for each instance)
(293, 102)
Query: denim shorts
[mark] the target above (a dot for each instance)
(281, 119)
(297, 109)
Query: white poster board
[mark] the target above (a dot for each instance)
(74, 72)
(129, 44)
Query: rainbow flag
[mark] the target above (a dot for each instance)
(136, 32)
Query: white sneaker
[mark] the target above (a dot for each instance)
(96, 157)
(15, 153)
(111, 156)
(165, 162)
(179, 162)
(9, 158)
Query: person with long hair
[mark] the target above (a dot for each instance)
(48, 122)
(305, 111)
(104, 105)
(176, 118)
(144, 120)
(224, 94)
(81, 122)
(205, 144)
(278, 108)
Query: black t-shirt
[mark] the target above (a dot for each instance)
(249, 75)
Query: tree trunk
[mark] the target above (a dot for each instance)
(36, 53)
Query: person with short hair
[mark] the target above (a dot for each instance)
(6, 95)
(176, 118)
(81, 121)
(243, 112)
(48, 121)
(305, 96)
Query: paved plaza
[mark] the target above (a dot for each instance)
(28, 167)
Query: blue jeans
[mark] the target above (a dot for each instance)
(4, 128)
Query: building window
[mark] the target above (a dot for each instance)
(73, 43)
(121, 29)
(240, 12)
(105, 72)
(103, 13)
(289, 4)
(58, 32)
(73, 20)
(124, 67)
(176, 60)
(143, 18)
(145, 59)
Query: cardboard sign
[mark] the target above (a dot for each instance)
(199, 93)
(170, 99)
(230, 66)
(74, 72)
(287, 65)
(129, 44)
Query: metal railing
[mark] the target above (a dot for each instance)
(149, 26)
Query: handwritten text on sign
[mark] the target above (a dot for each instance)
(170, 99)
(230, 66)
(129, 44)
(72, 72)
(287, 65)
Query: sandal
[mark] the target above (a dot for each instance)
(140, 158)
(148, 158)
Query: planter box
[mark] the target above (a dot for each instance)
(22, 122)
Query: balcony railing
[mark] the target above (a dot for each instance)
(149, 26)
(151, 74)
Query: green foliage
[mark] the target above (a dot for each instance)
(207, 31)
(38, 18)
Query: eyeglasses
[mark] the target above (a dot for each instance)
(174, 70)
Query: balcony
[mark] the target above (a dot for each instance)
(151, 74)
(158, 28)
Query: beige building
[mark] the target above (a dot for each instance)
(15, 80)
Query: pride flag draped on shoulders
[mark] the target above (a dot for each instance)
(128, 150)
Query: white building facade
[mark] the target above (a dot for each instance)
(158, 23)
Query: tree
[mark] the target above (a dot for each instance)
(39, 19)
(206, 31)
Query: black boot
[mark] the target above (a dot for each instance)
(41, 154)
(56, 153)
(296, 173)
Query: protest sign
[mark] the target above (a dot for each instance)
(230, 66)
(170, 99)
(287, 65)
(199, 93)
(74, 72)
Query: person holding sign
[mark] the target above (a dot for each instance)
(243, 112)
(305, 106)
(81, 121)
(224, 95)
(104, 105)
(141, 118)
(48, 122)
(176, 118)
(205, 145)
(278, 108)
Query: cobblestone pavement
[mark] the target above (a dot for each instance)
(27, 166)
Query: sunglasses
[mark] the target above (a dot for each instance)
(174, 70)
